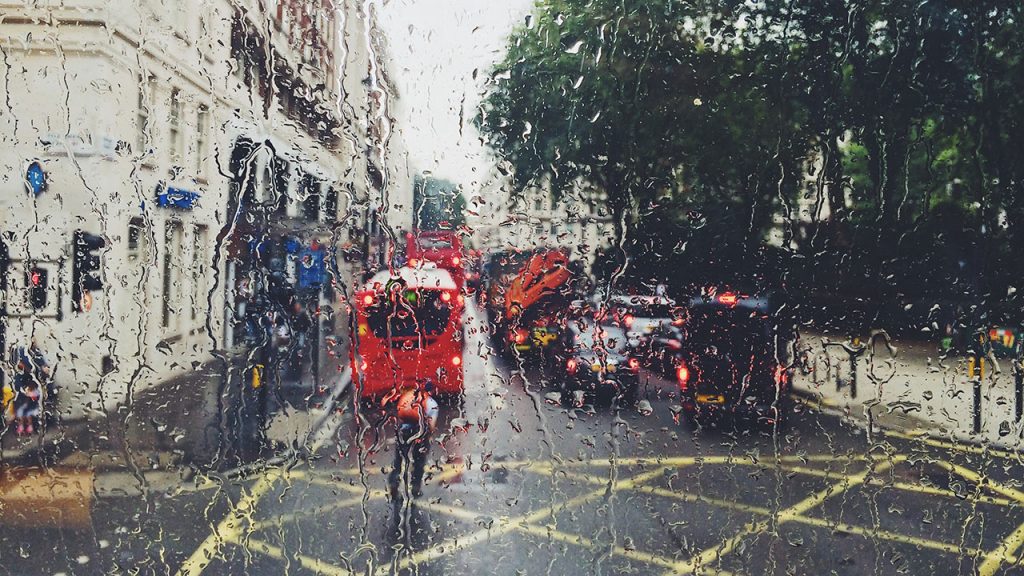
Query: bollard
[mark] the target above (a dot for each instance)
(1018, 390)
(976, 372)
(257, 376)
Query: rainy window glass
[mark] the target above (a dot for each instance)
(400, 287)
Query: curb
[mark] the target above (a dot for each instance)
(918, 434)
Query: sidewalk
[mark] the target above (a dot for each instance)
(205, 421)
(906, 385)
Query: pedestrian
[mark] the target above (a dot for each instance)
(27, 399)
(301, 324)
(417, 419)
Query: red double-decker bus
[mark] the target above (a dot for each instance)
(443, 247)
(410, 328)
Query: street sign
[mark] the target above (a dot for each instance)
(171, 197)
(35, 178)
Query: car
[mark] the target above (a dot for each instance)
(734, 359)
(594, 360)
(642, 318)
(665, 348)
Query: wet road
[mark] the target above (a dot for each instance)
(520, 485)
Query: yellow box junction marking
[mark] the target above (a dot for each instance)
(230, 529)
(701, 559)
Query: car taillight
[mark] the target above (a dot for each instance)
(368, 300)
(683, 375)
(362, 366)
(456, 360)
(634, 364)
(413, 263)
(571, 365)
(446, 296)
(628, 320)
(727, 298)
(675, 344)
(781, 377)
(460, 299)
(520, 336)
(456, 261)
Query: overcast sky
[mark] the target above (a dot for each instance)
(435, 45)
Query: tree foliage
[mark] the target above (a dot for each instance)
(438, 204)
(733, 119)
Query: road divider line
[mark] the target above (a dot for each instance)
(698, 561)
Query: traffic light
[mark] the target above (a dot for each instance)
(37, 280)
(85, 268)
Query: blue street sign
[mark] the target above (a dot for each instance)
(35, 178)
(312, 267)
(176, 197)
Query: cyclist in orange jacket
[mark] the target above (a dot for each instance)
(417, 419)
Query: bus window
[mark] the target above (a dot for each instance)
(417, 313)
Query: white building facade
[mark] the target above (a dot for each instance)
(194, 143)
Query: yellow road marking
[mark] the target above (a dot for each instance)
(1006, 550)
(551, 533)
(817, 522)
(1003, 553)
(230, 528)
(924, 438)
(285, 518)
(978, 479)
(308, 562)
(508, 524)
(697, 562)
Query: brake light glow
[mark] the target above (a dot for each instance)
(571, 366)
(456, 360)
(634, 364)
(683, 375)
(413, 263)
(362, 366)
(520, 336)
(460, 299)
(456, 260)
(368, 300)
(446, 296)
(675, 344)
(781, 377)
(628, 320)
(727, 298)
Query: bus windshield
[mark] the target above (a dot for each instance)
(428, 243)
(417, 313)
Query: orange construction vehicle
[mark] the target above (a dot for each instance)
(533, 299)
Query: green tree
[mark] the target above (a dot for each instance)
(630, 97)
(438, 204)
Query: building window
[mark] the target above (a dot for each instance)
(311, 198)
(142, 122)
(136, 239)
(177, 138)
(202, 144)
(171, 276)
(331, 205)
(199, 272)
(538, 204)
